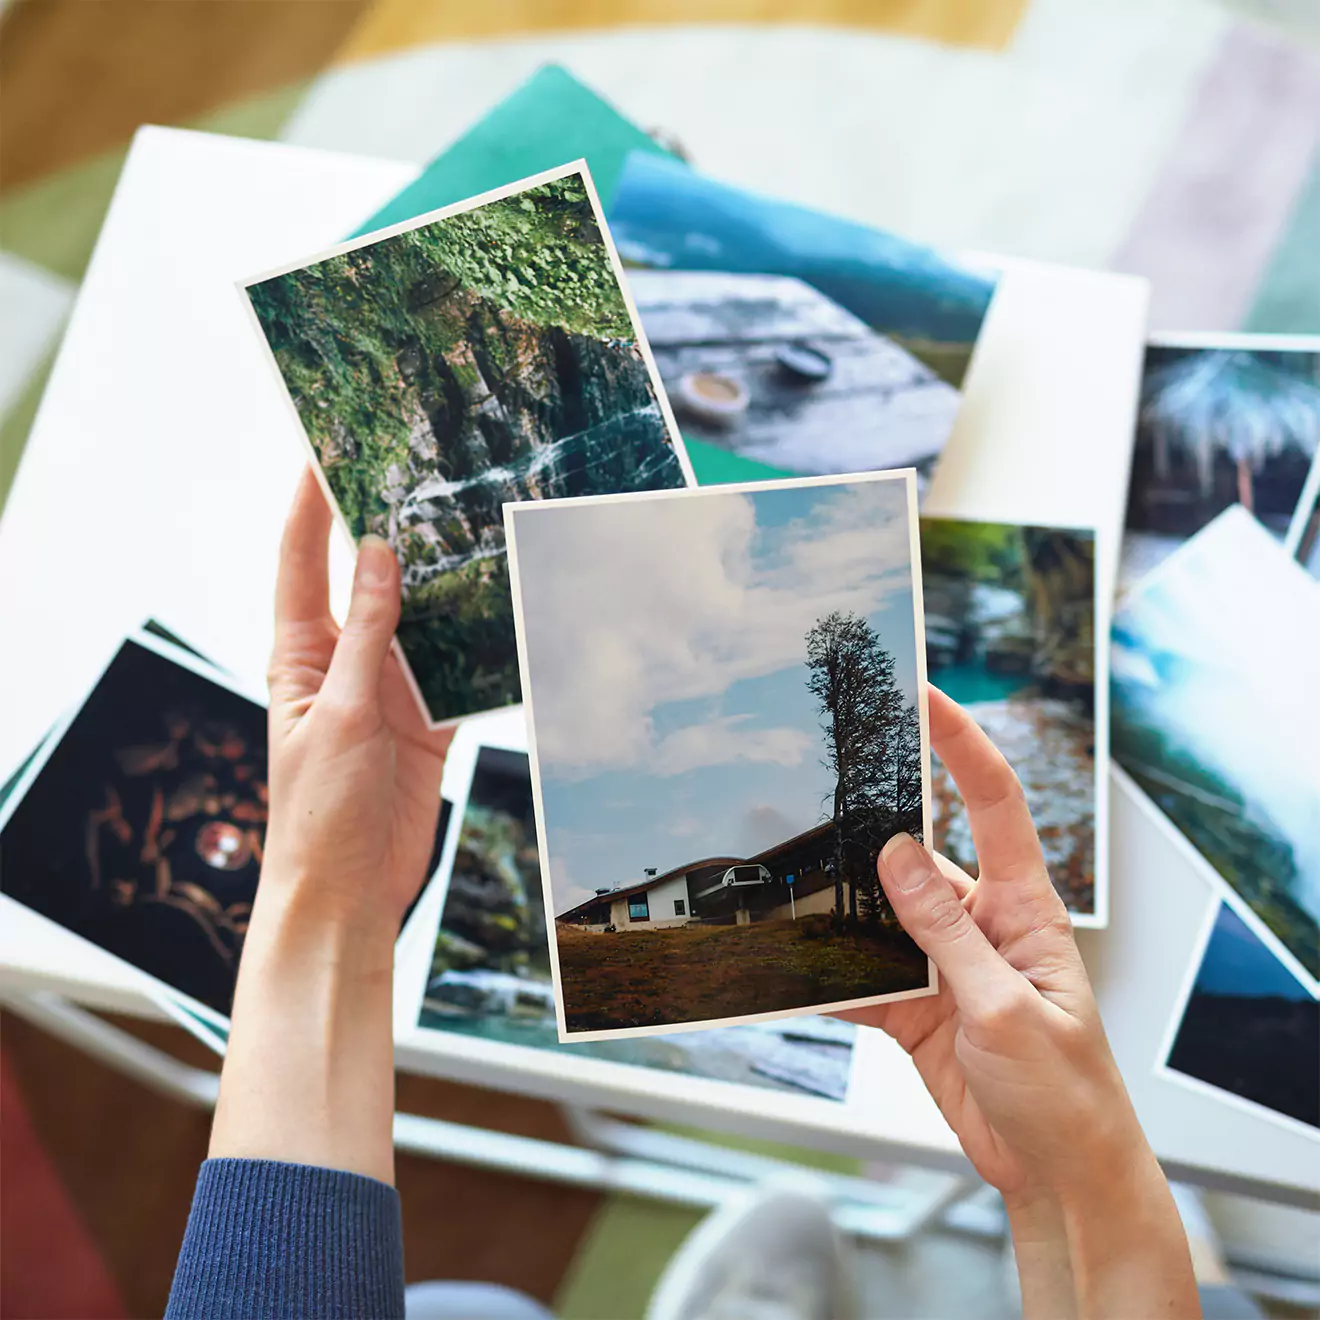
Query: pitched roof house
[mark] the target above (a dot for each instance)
(723, 889)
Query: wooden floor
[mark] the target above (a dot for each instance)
(77, 77)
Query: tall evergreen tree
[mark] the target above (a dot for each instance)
(861, 707)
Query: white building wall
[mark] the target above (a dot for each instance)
(661, 900)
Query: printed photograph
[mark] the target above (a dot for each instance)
(142, 830)
(1212, 662)
(473, 358)
(490, 972)
(1304, 534)
(1010, 635)
(1218, 427)
(1249, 1027)
(723, 691)
(812, 344)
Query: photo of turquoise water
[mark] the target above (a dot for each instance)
(1010, 635)
(970, 683)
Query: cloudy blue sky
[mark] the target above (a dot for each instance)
(666, 644)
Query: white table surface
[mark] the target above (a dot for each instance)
(156, 480)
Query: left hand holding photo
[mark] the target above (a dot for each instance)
(355, 774)
(355, 797)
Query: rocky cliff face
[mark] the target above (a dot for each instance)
(513, 411)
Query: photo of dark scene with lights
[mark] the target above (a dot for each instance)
(143, 831)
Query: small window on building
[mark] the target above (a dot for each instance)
(680, 908)
(638, 908)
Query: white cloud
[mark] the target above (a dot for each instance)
(567, 890)
(631, 605)
(722, 741)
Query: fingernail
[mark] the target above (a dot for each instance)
(373, 564)
(908, 862)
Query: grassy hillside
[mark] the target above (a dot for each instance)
(695, 973)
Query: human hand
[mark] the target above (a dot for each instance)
(1012, 1048)
(354, 771)
(354, 800)
(1013, 1051)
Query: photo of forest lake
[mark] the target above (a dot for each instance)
(724, 744)
(1010, 635)
(1213, 671)
(1218, 426)
(484, 357)
(490, 972)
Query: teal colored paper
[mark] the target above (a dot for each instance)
(550, 120)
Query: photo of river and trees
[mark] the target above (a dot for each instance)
(1010, 634)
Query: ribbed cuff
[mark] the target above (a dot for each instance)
(271, 1239)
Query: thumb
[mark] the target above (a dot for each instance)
(931, 911)
(373, 614)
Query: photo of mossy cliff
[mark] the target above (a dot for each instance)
(485, 357)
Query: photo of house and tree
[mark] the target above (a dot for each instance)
(727, 735)
(490, 968)
(483, 357)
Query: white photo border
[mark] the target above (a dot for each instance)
(158, 991)
(514, 510)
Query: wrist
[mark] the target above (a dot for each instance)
(1040, 1249)
(297, 907)
(309, 1074)
(1126, 1240)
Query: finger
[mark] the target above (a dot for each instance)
(302, 587)
(1007, 846)
(930, 910)
(962, 882)
(403, 714)
(304, 629)
(373, 614)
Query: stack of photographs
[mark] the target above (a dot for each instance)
(139, 823)
(1214, 723)
(671, 864)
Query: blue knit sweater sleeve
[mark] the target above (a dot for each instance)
(271, 1239)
